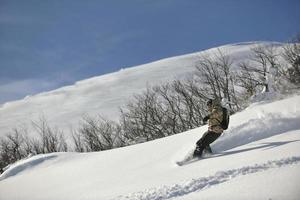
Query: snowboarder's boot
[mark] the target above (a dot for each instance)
(208, 150)
(198, 152)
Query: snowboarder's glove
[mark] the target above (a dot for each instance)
(205, 119)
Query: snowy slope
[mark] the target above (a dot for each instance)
(258, 158)
(104, 95)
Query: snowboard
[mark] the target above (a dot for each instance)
(191, 159)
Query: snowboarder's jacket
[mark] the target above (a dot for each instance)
(215, 117)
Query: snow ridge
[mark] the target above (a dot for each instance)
(194, 185)
(25, 164)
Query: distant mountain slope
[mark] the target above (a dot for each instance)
(104, 94)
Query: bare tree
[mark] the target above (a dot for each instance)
(143, 117)
(292, 55)
(246, 79)
(78, 141)
(265, 62)
(16, 141)
(260, 72)
(193, 101)
(5, 153)
(164, 110)
(13, 147)
(174, 122)
(50, 140)
(210, 76)
(214, 73)
(97, 134)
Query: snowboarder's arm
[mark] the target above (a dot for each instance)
(205, 119)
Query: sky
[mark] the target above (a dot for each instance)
(48, 44)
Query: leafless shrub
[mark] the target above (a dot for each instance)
(143, 117)
(50, 139)
(14, 146)
(292, 55)
(261, 72)
(163, 110)
(97, 134)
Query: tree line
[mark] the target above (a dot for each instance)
(169, 108)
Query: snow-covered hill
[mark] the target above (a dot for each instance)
(258, 158)
(104, 95)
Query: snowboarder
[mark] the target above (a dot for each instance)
(215, 129)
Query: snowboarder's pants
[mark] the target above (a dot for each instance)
(208, 138)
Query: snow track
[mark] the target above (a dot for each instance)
(194, 185)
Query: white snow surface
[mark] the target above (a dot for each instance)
(104, 95)
(258, 157)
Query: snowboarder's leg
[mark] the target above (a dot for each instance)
(198, 152)
(208, 138)
(200, 145)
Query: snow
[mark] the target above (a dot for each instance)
(256, 159)
(258, 156)
(242, 187)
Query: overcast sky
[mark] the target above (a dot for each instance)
(46, 44)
